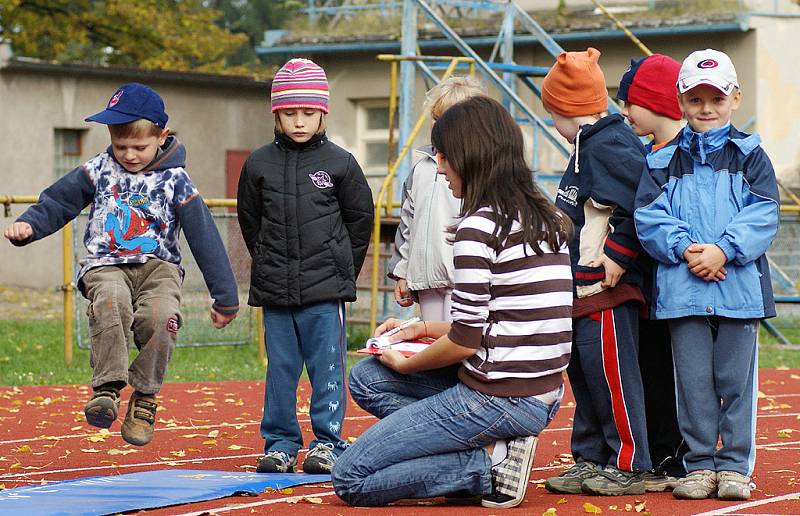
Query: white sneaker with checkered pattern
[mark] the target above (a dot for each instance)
(510, 477)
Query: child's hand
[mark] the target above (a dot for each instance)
(221, 320)
(393, 360)
(708, 263)
(402, 294)
(18, 231)
(613, 270)
(411, 332)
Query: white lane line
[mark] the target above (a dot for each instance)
(161, 429)
(730, 509)
(291, 499)
(123, 466)
(778, 445)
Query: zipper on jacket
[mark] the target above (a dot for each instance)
(425, 267)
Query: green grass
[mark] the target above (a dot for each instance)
(32, 353)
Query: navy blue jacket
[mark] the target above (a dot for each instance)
(597, 192)
(135, 217)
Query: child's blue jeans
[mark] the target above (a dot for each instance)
(433, 446)
(314, 335)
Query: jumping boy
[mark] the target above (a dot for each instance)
(140, 197)
(707, 213)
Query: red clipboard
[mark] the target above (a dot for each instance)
(406, 347)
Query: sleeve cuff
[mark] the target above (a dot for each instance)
(683, 244)
(726, 248)
(226, 310)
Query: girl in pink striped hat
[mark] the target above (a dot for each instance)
(305, 211)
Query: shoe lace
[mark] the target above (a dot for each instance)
(279, 455)
(323, 451)
(578, 469)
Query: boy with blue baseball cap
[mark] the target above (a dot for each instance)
(140, 198)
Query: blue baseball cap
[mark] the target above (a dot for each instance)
(132, 102)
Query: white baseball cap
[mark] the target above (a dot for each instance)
(710, 67)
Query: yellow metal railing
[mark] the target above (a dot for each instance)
(68, 287)
(388, 181)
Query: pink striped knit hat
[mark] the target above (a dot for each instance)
(300, 83)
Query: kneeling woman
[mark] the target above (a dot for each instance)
(462, 415)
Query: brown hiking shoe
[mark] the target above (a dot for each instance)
(101, 411)
(140, 421)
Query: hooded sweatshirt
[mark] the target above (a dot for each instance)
(136, 217)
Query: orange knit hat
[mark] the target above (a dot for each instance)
(575, 85)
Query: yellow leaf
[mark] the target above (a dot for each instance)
(16, 403)
(628, 507)
(114, 451)
(551, 511)
(213, 433)
(761, 395)
(90, 450)
(591, 508)
(286, 491)
(563, 500)
(640, 506)
(785, 433)
(179, 453)
(24, 449)
(237, 447)
(210, 442)
(16, 465)
(311, 499)
(613, 507)
(75, 428)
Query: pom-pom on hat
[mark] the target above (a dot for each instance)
(300, 83)
(650, 83)
(575, 85)
(710, 67)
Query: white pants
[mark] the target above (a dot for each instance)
(435, 303)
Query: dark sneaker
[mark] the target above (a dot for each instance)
(510, 477)
(614, 482)
(101, 411)
(570, 481)
(276, 462)
(319, 460)
(733, 486)
(655, 482)
(140, 420)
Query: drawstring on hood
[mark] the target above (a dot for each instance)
(578, 150)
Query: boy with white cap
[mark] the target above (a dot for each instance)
(707, 213)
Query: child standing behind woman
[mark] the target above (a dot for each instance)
(707, 213)
(473, 430)
(597, 191)
(305, 211)
(422, 263)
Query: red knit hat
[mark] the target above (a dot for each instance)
(653, 86)
(575, 85)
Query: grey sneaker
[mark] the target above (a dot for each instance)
(276, 462)
(570, 481)
(320, 459)
(697, 485)
(614, 482)
(140, 420)
(101, 411)
(510, 477)
(659, 482)
(732, 486)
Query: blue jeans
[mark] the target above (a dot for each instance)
(432, 446)
(315, 335)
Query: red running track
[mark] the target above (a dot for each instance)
(43, 438)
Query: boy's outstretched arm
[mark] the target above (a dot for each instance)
(209, 252)
(58, 204)
(358, 211)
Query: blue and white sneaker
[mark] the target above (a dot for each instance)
(319, 459)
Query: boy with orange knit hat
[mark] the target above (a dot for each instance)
(597, 191)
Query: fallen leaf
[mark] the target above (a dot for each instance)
(24, 449)
(591, 508)
(210, 442)
(213, 433)
(785, 433)
(563, 500)
(16, 465)
(551, 511)
(90, 450)
(75, 428)
(115, 451)
(286, 491)
(311, 499)
(179, 453)
(761, 395)
(237, 447)
(190, 436)
(640, 506)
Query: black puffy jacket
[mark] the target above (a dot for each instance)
(306, 212)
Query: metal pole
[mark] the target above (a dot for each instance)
(508, 54)
(408, 47)
(623, 28)
(68, 290)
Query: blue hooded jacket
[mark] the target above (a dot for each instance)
(716, 187)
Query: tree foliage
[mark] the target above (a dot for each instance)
(165, 34)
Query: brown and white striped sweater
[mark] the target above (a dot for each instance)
(514, 307)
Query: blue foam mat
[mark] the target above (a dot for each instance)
(151, 489)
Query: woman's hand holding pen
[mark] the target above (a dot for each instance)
(409, 332)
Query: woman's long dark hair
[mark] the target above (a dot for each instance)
(484, 147)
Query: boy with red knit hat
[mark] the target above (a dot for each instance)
(305, 211)
(651, 106)
(597, 191)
